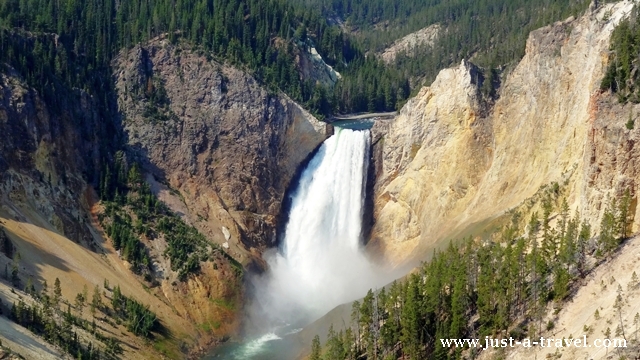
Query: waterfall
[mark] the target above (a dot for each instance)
(321, 264)
(327, 207)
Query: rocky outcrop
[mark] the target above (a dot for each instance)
(450, 164)
(45, 155)
(425, 37)
(48, 154)
(219, 150)
(312, 67)
(212, 133)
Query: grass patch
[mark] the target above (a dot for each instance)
(210, 326)
(168, 348)
(224, 303)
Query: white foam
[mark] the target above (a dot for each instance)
(322, 264)
(255, 347)
(294, 331)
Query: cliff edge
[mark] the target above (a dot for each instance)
(451, 165)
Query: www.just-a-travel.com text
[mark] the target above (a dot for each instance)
(490, 342)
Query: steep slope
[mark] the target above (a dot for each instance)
(451, 162)
(45, 211)
(591, 311)
(422, 38)
(228, 146)
(35, 151)
(20, 340)
(219, 151)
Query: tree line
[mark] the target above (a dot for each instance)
(126, 196)
(62, 45)
(622, 76)
(499, 287)
(58, 327)
(492, 33)
(66, 44)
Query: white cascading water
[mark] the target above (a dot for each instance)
(321, 263)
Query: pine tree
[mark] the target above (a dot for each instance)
(607, 237)
(348, 343)
(44, 294)
(583, 237)
(335, 348)
(561, 283)
(57, 293)
(390, 330)
(619, 305)
(624, 216)
(96, 301)
(607, 334)
(549, 235)
(459, 305)
(315, 349)
(355, 319)
(30, 288)
(521, 282)
(410, 320)
(564, 219)
(79, 303)
(537, 270)
(15, 279)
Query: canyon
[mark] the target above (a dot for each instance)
(454, 160)
(222, 159)
(223, 153)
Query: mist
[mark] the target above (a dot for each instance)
(321, 263)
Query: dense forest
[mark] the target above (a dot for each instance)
(622, 75)
(501, 285)
(492, 33)
(133, 212)
(68, 44)
(260, 36)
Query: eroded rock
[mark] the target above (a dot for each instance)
(448, 162)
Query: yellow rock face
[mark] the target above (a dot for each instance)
(451, 158)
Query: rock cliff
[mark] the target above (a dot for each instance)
(38, 167)
(451, 162)
(422, 38)
(218, 149)
(225, 144)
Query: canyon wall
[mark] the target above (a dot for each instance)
(38, 167)
(229, 147)
(453, 160)
(218, 149)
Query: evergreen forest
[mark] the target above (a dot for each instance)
(498, 287)
(491, 33)
(622, 73)
(63, 46)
